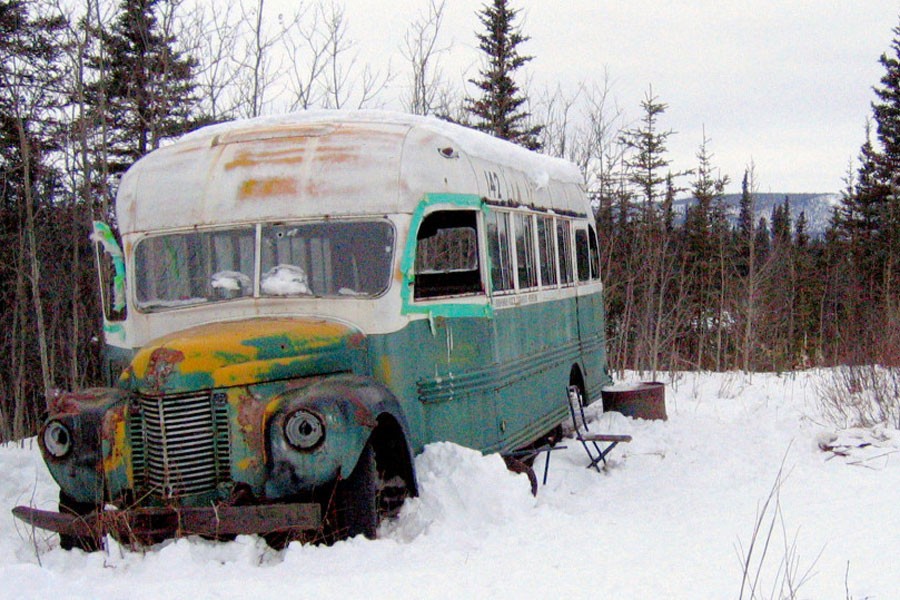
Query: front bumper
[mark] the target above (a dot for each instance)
(151, 525)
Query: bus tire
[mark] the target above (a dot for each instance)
(356, 499)
(69, 505)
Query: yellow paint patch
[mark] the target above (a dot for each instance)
(207, 348)
(248, 463)
(384, 370)
(264, 188)
(116, 457)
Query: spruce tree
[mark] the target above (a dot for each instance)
(648, 161)
(499, 111)
(887, 117)
(866, 230)
(745, 231)
(781, 223)
(145, 83)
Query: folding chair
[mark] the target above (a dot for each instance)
(591, 442)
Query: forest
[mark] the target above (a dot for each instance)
(88, 88)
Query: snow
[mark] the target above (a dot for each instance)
(284, 280)
(231, 281)
(541, 168)
(667, 518)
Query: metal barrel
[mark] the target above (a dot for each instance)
(645, 400)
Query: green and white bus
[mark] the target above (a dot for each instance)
(300, 304)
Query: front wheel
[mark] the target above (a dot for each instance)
(68, 505)
(356, 499)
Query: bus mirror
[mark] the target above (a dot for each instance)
(111, 267)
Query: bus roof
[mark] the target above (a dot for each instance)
(334, 163)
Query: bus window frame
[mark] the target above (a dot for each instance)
(530, 216)
(569, 226)
(581, 278)
(481, 289)
(593, 253)
(473, 305)
(547, 223)
(510, 255)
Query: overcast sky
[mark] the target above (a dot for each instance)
(786, 84)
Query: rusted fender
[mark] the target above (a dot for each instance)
(93, 418)
(349, 407)
(146, 525)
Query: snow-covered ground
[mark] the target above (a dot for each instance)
(670, 517)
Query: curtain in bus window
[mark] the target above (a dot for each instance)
(525, 251)
(582, 255)
(447, 255)
(547, 251)
(498, 250)
(564, 248)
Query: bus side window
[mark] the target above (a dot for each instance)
(547, 251)
(525, 251)
(564, 248)
(498, 239)
(582, 255)
(595, 253)
(447, 255)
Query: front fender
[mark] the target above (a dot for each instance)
(349, 407)
(87, 416)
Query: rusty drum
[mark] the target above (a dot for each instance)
(644, 400)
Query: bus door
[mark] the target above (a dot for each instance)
(591, 322)
(453, 345)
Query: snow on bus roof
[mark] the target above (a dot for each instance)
(475, 143)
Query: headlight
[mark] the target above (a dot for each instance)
(57, 439)
(304, 430)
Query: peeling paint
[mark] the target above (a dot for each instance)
(161, 364)
(64, 404)
(114, 444)
(251, 422)
(244, 353)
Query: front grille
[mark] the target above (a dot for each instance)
(179, 445)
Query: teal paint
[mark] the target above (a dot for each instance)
(474, 307)
(490, 383)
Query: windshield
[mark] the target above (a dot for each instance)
(312, 259)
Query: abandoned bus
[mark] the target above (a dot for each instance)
(300, 304)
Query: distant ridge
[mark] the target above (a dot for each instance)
(817, 207)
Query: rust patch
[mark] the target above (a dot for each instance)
(362, 414)
(356, 340)
(261, 188)
(246, 159)
(162, 362)
(250, 416)
(64, 404)
(111, 420)
(339, 155)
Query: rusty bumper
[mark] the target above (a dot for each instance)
(149, 525)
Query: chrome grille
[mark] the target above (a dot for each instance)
(179, 445)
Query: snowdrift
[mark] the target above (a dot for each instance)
(672, 516)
